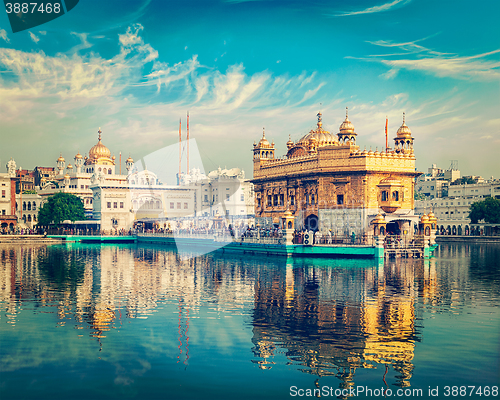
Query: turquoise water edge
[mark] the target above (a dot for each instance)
(104, 321)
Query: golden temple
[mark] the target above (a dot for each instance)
(329, 184)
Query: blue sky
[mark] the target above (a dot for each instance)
(134, 68)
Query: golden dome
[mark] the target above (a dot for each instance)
(66, 176)
(404, 131)
(431, 216)
(130, 159)
(264, 142)
(322, 137)
(99, 150)
(60, 159)
(289, 144)
(424, 219)
(379, 218)
(346, 128)
(69, 166)
(78, 156)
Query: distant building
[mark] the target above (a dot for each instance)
(8, 219)
(27, 207)
(453, 210)
(223, 192)
(144, 199)
(25, 180)
(76, 179)
(45, 173)
(435, 183)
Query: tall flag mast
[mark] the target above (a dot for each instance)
(187, 142)
(386, 122)
(180, 150)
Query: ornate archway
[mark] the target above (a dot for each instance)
(311, 223)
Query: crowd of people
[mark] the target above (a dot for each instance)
(22, 231)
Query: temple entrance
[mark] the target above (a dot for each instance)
(311, 223)
(393, 228)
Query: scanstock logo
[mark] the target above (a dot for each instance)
(197, 230)
(28, 13)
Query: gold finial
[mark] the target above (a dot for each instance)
(263, 132)
(319, 120)
(403, 117)
(346, 113)
(99, 131)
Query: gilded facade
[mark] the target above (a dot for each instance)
(330, 184)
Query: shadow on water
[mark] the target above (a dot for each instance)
(60, 269)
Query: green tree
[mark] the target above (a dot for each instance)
(464, 180)
(419, 196)
(61, 207)
(487, 210)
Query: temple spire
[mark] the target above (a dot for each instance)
(99, 131)
(320, 123)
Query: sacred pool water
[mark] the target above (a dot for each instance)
(131, 321)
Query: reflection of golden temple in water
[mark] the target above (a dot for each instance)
(331, 324)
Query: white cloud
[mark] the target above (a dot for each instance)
(3, 35)
(33, 37)
(479, 67)
(132, 41)
(374, 9)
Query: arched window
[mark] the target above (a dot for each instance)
(99, 169)
(34, 206)
(29, 206)
(109, 171)
(34, 218)
(395, 195)
(29, 217)
(24, 206)
(158, 204)
(384, 195)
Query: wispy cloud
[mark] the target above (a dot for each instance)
(74, 75)
(34, 37)
(480, 67)
(375, 9)
(3, 35)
